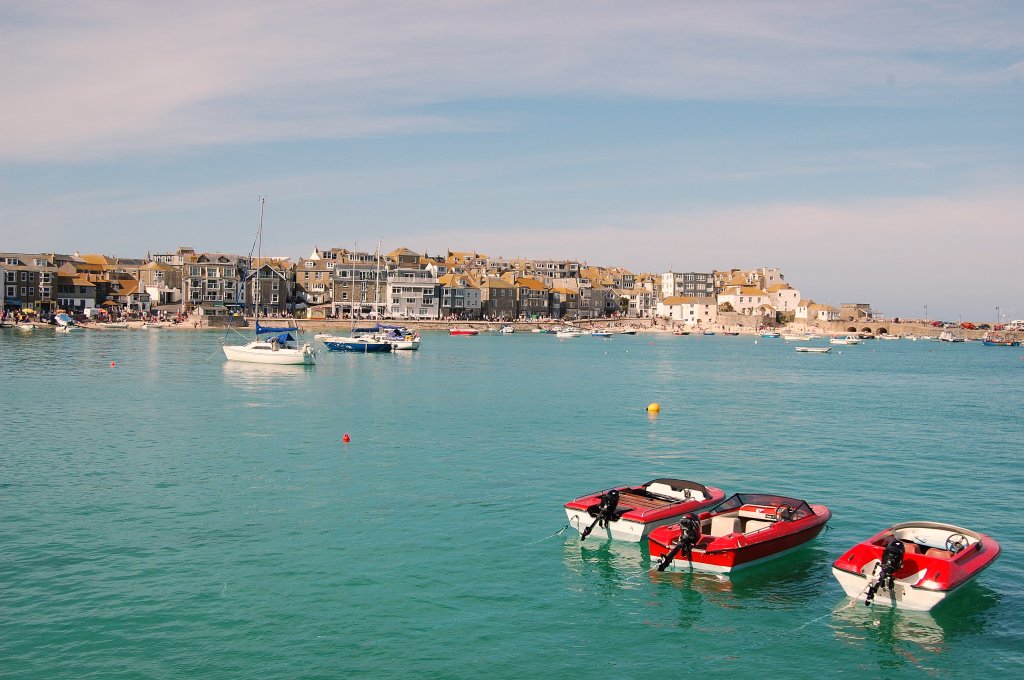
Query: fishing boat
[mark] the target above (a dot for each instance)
(771, 334)
(744, 530)
(791, 336)
(627, 331)
(814, 350)
(731, 333)
(629, 513)
(708, 333)
(914, 565)
(995, 339)
(951, 336)
(463, 331)
(680, 332)
(272, 345)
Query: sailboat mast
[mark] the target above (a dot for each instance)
(376, 294)
(259, 254)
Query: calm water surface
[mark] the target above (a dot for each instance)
(179, 516)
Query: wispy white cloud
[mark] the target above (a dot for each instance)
(92, 78)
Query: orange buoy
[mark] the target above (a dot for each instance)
(346, 438)
(653, 407)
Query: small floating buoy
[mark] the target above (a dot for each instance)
(113, 363)
(652, 343)
(653, 407)
(346, 438)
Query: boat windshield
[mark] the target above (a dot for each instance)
(800, 508)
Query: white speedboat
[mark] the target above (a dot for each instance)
(26, 326)
(846, 340)
(507, 330)
(569, 333)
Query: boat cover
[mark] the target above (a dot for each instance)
(260, 330)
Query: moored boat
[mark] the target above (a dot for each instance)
(272, 346)
(600, 334)
(914, 565)
(364, 340)
(771, 334)
(845, 340)
(463, 331)
(399, 337)
(627, 331)
(814, 350)
(744, 530)
(570, 333)
(995, 339)
(629, 513)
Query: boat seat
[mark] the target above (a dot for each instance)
(911, 548)
(723, 526)
(938, 552)
(756, 525)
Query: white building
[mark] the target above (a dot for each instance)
(747, 300)
(783, 297)
(692, 311)
(413, 294)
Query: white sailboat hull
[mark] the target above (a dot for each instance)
(260, 352)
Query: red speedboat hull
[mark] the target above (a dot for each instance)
(937, 561)
(641, 508)
(745, 530)
(463, 331)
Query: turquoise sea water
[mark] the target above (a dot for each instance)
(179, 516)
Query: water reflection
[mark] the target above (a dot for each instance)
(243, 374)
(791, 580)
(617, 564)
(906, 634)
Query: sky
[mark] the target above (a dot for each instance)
(873, 151)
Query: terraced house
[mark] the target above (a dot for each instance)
(30, 281)
(212, 282)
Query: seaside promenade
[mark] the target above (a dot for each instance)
(654, 326)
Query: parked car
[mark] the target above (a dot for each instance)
(967, 325)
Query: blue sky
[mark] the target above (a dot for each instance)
(874, 151)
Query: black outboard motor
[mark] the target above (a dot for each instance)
(605, 512)
(892, 560)
(689, 534)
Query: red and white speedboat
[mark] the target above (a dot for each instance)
(745, 529)
(915, 565)
(629, 513)
(463, 331)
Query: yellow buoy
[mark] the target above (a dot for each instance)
(653, 407)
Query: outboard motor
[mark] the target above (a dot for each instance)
(605, 512)
(689, 534)
(892, 560)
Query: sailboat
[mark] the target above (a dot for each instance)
(272, 345)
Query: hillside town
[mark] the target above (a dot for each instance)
(338, 283)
